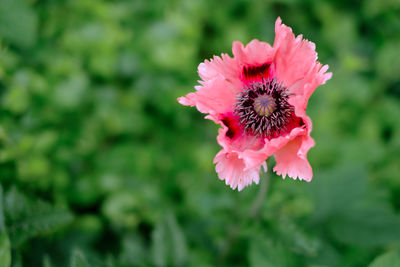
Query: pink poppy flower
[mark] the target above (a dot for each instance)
(259, 97)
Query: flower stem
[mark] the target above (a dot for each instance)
(234, 229)
(262, 193)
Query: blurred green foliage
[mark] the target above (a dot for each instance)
(100, 166)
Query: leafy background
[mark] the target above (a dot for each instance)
(100, 166)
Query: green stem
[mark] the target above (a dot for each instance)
(262, 193)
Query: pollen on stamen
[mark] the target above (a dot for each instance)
(263, 109)
(264, 105)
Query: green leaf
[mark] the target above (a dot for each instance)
(389, 259)
(335, 191)
(387, 62)
(133, 251)
(46, 261)
(18, 23)
(367, 224)
(26, 218)
(5, 250)
(2, 223)
(340, 199)
(264, 252)
(169, 247)
(69, 94)
(78, 259)
(297, 240)
(17, 260)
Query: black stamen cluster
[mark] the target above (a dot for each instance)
(266, 126)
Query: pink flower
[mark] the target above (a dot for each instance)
(259, 97)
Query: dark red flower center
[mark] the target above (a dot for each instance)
(256, 73)
(263, 109)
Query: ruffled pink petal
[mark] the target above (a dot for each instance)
(240, 144)
(291, 154)
(232, 169)
(302, 89)
(251, 149)
(316, 77)
(292, 161)
(254, 157)
(217, 66)
(240, 141)
(215, 96)
(295, 57)
(254, 53)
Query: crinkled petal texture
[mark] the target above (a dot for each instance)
(255, 53)
(232, 169)
(292, 61)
